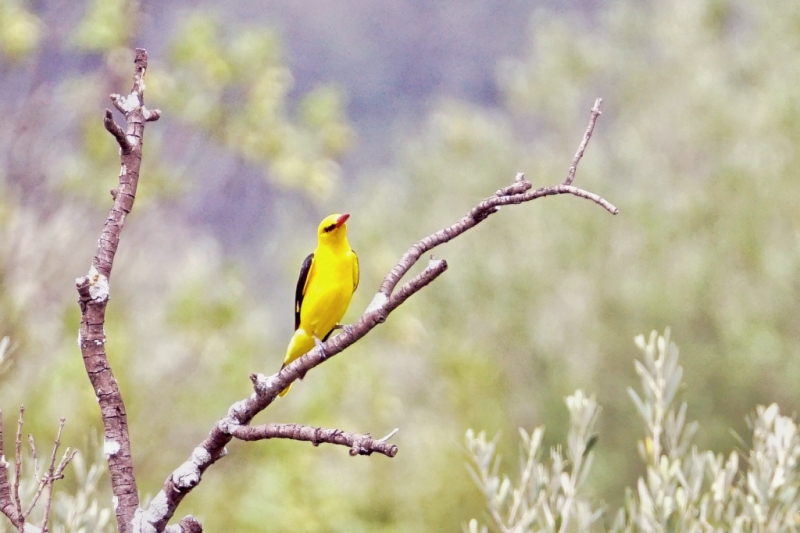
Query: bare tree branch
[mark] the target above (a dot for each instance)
(93, 290)
(10, 504)
(118, 133)
(7, 506)
(53, 474)
(37, 477)
(32, 444)
(388, 298)
(573, 167)
(516, 193)
(188, 475)
(18, 459)
(359, 444)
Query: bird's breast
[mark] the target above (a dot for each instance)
(328, 293)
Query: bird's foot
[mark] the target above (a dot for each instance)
(347, 328)
(319, 345)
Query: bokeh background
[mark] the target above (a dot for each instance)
(404, 113)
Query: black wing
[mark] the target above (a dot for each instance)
(300, 291)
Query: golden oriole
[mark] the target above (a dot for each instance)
(328, 279)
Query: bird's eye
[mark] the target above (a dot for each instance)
(328, 229)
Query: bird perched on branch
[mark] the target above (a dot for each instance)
(328, 279)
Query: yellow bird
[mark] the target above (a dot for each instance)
(328, 279)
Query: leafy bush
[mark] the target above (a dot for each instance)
(683, 489)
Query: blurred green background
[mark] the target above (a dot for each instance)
(404, 113)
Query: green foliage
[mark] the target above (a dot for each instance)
(684, 489)
(234, 86)
(545, 498)
(20, 30)
(690, 490)
(107, 24)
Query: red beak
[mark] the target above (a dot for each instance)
(342, 219)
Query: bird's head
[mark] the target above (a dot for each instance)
(333, 228)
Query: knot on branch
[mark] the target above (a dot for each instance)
(362, 445)
(316, 439)
(481, 213)
(365, 445)
(189, 524)
(264, 387)
(519, 186)
(127, 104)
(188, 474)
(151, 115)
(93, 286)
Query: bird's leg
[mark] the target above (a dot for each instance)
(347, 328)
(318, 343)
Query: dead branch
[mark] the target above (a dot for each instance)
(18, 460)
(7, 503)
(516, 193)
(93, 291)
(235, 423)
(119, 134)
(573, 167)
(53, 474)
(10, 504)
(359, 444)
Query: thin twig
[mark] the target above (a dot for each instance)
(39, 479)
(516, 193)
(50, 477)
(18, 459)
(573, 167)
(42, 484)
(391, 434)
(32, 444)
(359, 444)
(53, 475)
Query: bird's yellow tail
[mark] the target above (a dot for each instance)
(300, 344)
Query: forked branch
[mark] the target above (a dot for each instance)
(93, 291)
(388, 298)
(10, 501)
